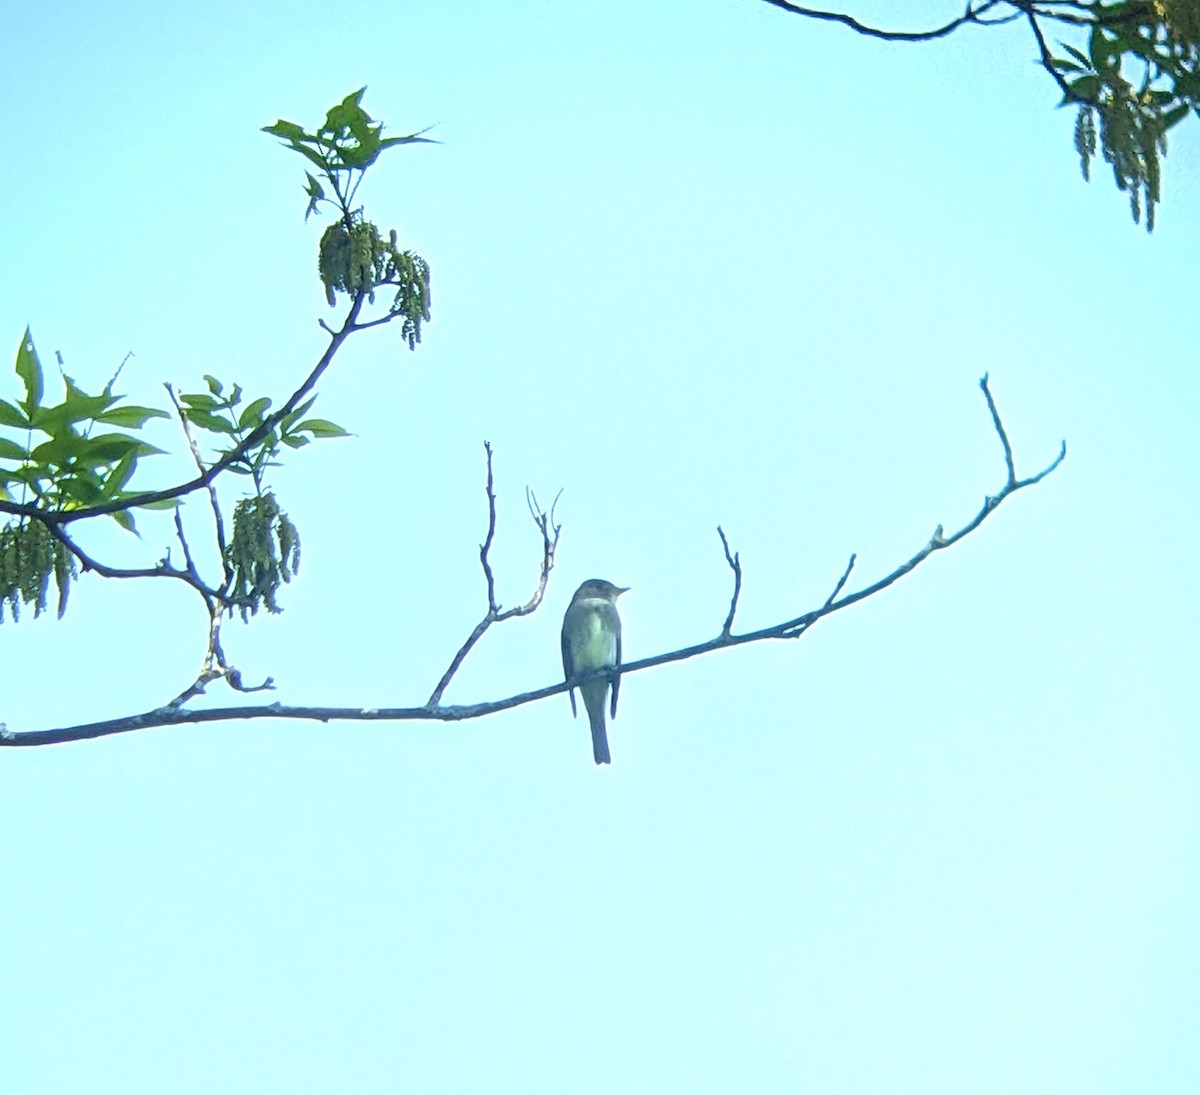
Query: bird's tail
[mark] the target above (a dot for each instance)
(599, 734)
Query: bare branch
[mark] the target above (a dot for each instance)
(486, 546)
(215, 669)
(796, 632)
(735, 564)
(433, 711)
(163, 570)
(380, 321)
(842, 580)
(971, 15)
(187, 551)
(550, 533)
(212, 489)
(1008, 456)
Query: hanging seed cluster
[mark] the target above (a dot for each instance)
(29, 557)
(263, 553)
(356, 259)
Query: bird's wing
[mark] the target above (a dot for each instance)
(568, 669)
(616, 681)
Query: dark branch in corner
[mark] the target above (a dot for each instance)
(971, 15)
(1055, 11)
(433, 711)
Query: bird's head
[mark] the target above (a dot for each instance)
(597, 589)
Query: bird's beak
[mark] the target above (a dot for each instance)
(622, 589)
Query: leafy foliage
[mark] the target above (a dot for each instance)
(73, 460)
(1139, 77)
(235, 422)
(354, 259)
(71, 466)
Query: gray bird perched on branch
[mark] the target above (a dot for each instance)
(591, 640)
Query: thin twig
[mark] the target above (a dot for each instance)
(735, 564)
(841, 582)
(1008, 455)
(218, 520)
(550, 533)
(971, 15)
(486, 546)
(1047, 60)
(163, 570)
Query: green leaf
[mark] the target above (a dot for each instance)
(83, 404)
(29, 369)
(125, 519)
(1174, 115)
(214, 385)
(145, 449)
(162, 503)
(107, 448)
(292, 417)
(253, 414)
(29, 475)
(289, 131)
(130, 416)
(207, 421)
(1086, 87)
(360, 155)
(316, 193)
(84, 489)
(347, 115)
(10, 416)
(1081, 58)
(58, 451)
(412, 138)
(116, 479)
(309, 154)
(78, 406)
(1068, 66)
(199, 400)
(295, 442)
(10, 450)
(321, 427)
(1105, 53)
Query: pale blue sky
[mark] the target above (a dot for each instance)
(695, 263)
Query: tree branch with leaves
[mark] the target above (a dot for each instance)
(73, 461)
(1132, 73)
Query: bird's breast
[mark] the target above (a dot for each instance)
(593, 643)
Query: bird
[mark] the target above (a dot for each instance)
(591, 640)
